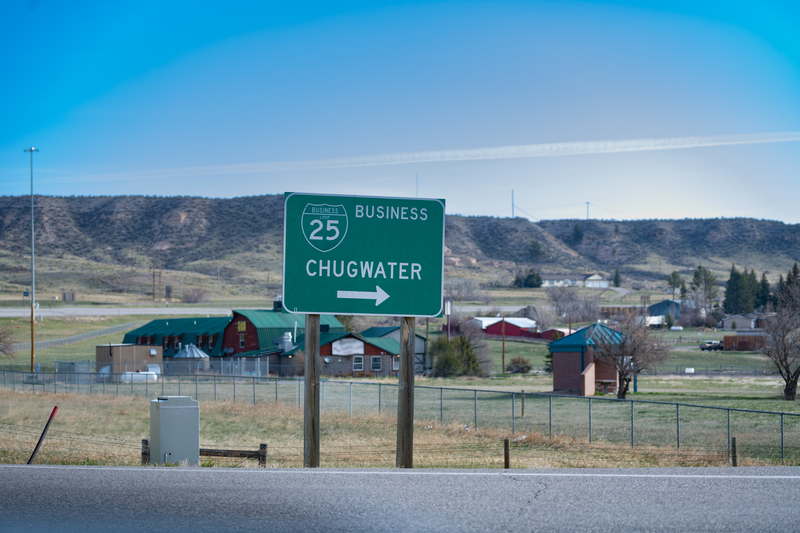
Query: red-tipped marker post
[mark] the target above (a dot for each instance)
(46, 427)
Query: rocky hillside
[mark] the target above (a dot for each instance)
(200, 234)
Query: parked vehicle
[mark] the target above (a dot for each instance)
(711, 346)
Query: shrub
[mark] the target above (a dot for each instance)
(193, 296)
(519, 365)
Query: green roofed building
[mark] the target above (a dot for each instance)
(349, 354)
(174, 333)
(574, 366)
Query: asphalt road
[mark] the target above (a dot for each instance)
(175, 500)
(114, 311)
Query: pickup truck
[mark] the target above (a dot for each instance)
(711, 346)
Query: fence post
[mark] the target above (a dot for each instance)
(506, 455)
(513, 412)
(379, 398)
(234, 390)
(523, 405)
(729, 432)
(441, 406)
(678, 422)
(351, 399)
(475, 425)
(145, 451)
(590, 420)
(254, 390)
(262, 455)
(734, 458)
(632, 441)
(215, 387)
(551, 415)
(783, 456)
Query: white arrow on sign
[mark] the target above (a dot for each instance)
(379, 295)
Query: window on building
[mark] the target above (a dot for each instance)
(377, 363)
(166, 343)
(395, 363)
(175, 342)
(358, 363)
(241, 340)
(211, 341)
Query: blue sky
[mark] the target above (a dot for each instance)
(246, 98)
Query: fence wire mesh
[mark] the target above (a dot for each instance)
(770, 437)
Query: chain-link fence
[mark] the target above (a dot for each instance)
(771, 437)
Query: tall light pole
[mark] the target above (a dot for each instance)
(33, 274)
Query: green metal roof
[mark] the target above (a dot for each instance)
(272, 324)
(190, 328)
(378, 331)
(586, 337)
(387, 345)
(382, 331)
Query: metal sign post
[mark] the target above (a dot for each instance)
(359, 255)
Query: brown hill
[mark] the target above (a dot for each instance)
(243, 236)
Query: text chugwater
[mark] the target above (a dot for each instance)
(363, 269)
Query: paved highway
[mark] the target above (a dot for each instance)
(175, 500)
(114, 311)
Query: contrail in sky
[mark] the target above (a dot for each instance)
(473, 154)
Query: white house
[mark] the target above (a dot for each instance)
(592, 281)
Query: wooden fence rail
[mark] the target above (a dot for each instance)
(260, 454)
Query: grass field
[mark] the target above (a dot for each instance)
(108, 431)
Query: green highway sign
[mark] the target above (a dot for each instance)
(363, 255)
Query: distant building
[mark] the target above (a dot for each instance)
(514, 326)
(574, 366)
(393, 332)
(350, 354)
(591, 281)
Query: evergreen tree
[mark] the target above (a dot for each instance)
(674, 282)
(577, 232)
(763, 295)
(617, 278)
(532, 280)
(738, 293)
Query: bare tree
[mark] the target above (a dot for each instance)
(567, 301)
(562, 298)
(464, 290)
(6, 340)
(633, 348)
(782, 342)
(543, 316)
(193, 296)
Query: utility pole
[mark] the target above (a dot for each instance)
(159, 280)
(512, 203)
(33, 272)
(154, 278)
(502, 371)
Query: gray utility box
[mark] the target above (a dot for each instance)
(174, 430)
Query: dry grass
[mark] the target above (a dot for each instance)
(108, 431)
